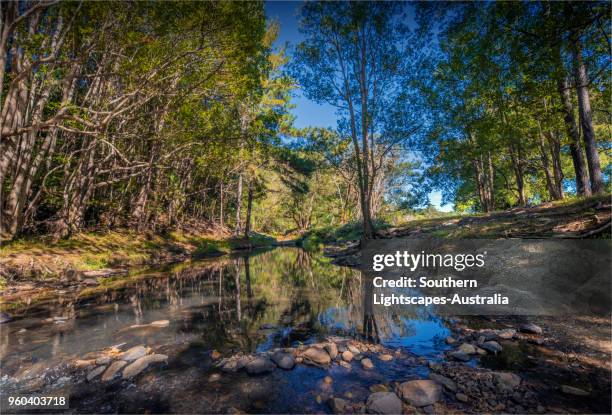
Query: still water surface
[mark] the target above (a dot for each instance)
(278, 298)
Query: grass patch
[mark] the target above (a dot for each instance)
(91, 251)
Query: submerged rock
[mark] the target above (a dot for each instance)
(283, 360)
(385, 357)
(383, 403)
(316, 356)
(421, 392)
(450, 340)
(531, 328)
(141, 364)
(367, 363)
(260, 365)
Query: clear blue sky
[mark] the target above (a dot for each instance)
(306, 112)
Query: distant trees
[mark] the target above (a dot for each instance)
(507, 80)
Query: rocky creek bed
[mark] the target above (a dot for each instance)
(120, 377)
(237, 337)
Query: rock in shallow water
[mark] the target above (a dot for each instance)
(531, 328)
(141, 364)
(384, 403)
(492, 346)
(134, 353)
(113, 369)
(367, 364)
(459, 356)
(316, 356)
(260, 365)
(283, 360)
(332, 350)
(347, 356)
(467, 348)
(385, 357)
(421, 392)
(95, 373)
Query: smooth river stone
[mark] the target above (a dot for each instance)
(260, 365)
(367, 364)
(314, 355)
(421, 392)
(95, 373)
(113, 369)
(384, 403)
(141, 364)
(134, 353)
(332, 350)
(347, 356)
(283, 360)
(443, 380)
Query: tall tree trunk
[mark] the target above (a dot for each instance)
(247, 224)
(517, 164)
(583, 187)
(238, 228)
(552, 193)
(586, 121)
(490, 182)
(555, 151)
(221, 201)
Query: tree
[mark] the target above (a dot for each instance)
(352, 59)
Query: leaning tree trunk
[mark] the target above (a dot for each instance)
(586, 121)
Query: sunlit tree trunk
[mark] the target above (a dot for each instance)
(586, 121)
(583, 187)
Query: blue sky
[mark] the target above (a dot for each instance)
(306, 112)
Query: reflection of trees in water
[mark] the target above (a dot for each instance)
(225, 301)
(370, 328)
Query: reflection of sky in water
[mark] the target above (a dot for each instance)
(423, 335)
